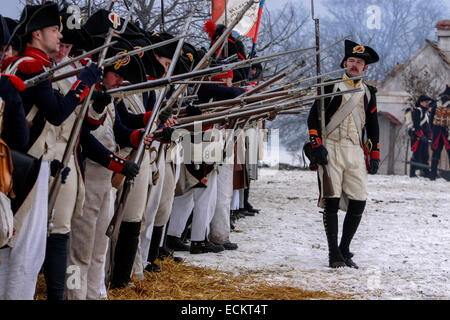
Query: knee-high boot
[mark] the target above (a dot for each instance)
(55, 265)
(330, 222)
(154, 249)
(434, 165)
(351, 223)
(124, 254)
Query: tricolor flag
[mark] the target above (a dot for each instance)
(248, 26)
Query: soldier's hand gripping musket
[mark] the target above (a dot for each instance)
(54, 189)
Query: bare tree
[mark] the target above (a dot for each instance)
(420, 83)
(403, 27)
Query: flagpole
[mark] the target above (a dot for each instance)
(226, 25)
(255, 37)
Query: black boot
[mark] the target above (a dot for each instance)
(433, 171)
(124, 254)
(55, 265)
(153, 252)
(205, 246)
(175, 244)
(164, 253)
(247, 205)
(330, 222)
(412, 171)
(351, 223)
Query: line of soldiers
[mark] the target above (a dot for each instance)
(169, 198)
(428, 122)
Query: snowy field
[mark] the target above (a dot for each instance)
(402, 245)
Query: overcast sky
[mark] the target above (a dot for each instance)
(13, 8)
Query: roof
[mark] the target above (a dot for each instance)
(443, 25)
(391, 117)
(439, 51)
(399, 67)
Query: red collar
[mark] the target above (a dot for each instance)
(37, 54)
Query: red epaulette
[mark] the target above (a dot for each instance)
(15, 81)
(6, 62)
(30, 66)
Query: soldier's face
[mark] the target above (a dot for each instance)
(8, 51)
(48, 39)
(64, 50)
(112, 80)
(165, 63)
(355, 66)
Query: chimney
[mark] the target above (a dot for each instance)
(443, 35)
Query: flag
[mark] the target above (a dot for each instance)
(248, 26)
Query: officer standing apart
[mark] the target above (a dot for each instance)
(347, 118)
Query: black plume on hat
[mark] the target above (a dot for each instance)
(353, 49)
(36, 17)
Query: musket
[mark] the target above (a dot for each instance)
(50, 73)
(208, 119)
(204, 61)
(289, 69)
(328, 190)
(112, 60)
(152, 84)
(76, 129)
(113, 228)
(297, 82)
(242, 100)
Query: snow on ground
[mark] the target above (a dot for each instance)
(402, 245)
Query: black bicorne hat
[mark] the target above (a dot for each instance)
(36, 17)
(235, 46)
(130, 68)
(152, 66)
(100, 22)
(79, 38)
(259, 71)
(5, 34)
(12, 24)
(353, 49)
(188, 59)
(166, 51)
(445, 96)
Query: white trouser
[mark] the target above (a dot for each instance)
(235, 201)
(150, 212)
(88, 242)
(66, 201)
(106, 257)
(20, 266)
(347, 169)
(241, 198)
(220, 223)
(203, 202)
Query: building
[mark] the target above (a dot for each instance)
(428, 70)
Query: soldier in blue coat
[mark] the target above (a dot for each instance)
(40, 36)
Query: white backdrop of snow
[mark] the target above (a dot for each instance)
(402, 245)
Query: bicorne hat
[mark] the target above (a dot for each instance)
(353, 49)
